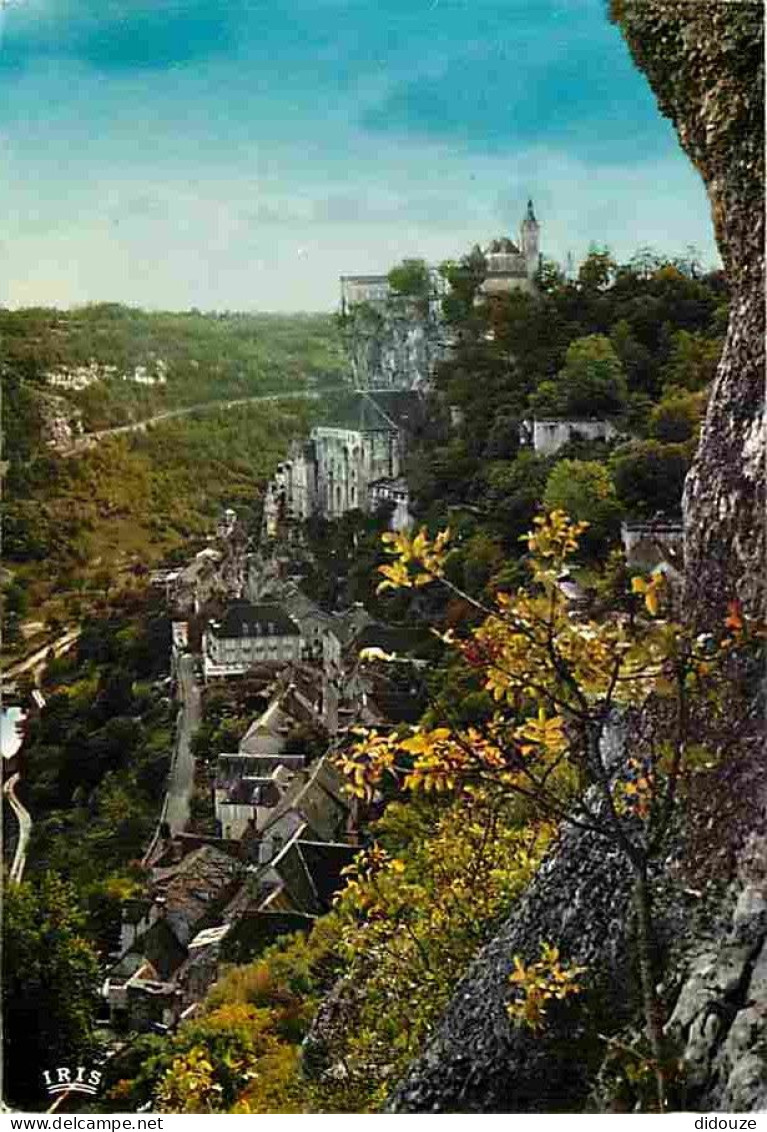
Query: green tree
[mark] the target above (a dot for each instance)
(649, 476)
(557, 683)
(693, 360)
(465, 278)
(511, 494)
(410, 278)
(591, 383)
(549, 277)
(635, 358)
(585, 491)
(597, 270)
(50, 976)
(677, 417)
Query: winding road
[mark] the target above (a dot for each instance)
(25, 828)
(89, 439)
(37, 660)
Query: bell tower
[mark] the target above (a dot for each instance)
(529, 238)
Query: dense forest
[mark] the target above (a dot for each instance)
(183, 358)
(634, 344)
(76, 526)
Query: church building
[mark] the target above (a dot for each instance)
(394, 341)
(334, 471)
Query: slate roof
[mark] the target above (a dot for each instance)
(389, 702)
(318, 797)
(324, 862)
(345, 626)
(503, 245)
(398, 484)
(127, 966)
(256, 929)
(267, 734)
(234, 768)
(379, 411)
(158, 947)
(195, 888)
(252, 792)
(305, 679)
(299, 606)
(243, 619)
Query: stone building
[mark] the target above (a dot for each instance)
(548, 435)
(246, 635)
(394, 342)
(395, 494)
(512, 266)
(363, 443)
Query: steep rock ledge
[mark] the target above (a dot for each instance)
(705, 64)
(711, 924)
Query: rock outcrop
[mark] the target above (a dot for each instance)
(61, 421)
(394, 345)
(710, 899)
(705, 64)
(720, 1018)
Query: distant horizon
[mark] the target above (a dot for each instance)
(286, 312)
(177, 156)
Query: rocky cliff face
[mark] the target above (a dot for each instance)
(710, 898)
(61, 421)
(394, 345)
(704, 62)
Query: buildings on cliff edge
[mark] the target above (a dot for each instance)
(394, 342)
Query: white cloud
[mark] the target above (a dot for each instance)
(144, 202)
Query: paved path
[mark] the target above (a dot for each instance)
(89, 439)
(38, 659)
(181, 780)
(25, 828)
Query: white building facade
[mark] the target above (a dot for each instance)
(247, 635)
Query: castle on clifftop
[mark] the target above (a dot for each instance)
(394, 341)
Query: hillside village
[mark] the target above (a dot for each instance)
(281, 827)
(221, 691)
(383, 706)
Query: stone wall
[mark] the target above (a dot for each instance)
(548, 436)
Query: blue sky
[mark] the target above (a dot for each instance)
(241, 154)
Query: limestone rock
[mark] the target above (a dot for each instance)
(719, 1022)
(394, 345)
(478, 1060)
(704, 62)
(61, 421)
